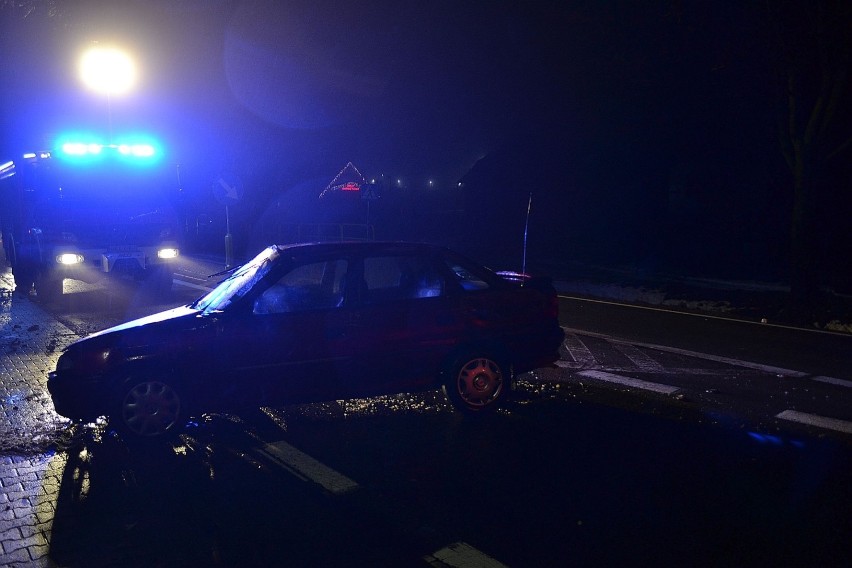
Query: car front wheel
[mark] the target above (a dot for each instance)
(149, 408)
(476, 382)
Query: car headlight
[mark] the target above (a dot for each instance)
(69, 258)
(167, 253)
(83, 361)
(65, 363)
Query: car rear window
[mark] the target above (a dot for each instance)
(388, 278)
(469, 276)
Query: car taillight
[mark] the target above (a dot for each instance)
(553, 306)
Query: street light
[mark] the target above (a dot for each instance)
(107, 70)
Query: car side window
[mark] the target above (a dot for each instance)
(466, 275)
(313, 286)
(389, 278)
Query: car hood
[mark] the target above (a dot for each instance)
(175, 317)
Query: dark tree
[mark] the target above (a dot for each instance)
(813, 44)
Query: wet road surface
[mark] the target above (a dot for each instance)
(552, 480)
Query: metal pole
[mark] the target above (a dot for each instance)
(229, 247)
(526, 229)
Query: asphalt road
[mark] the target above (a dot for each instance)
(812, 352)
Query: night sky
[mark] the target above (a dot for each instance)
(647, 131)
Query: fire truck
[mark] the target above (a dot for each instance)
(89, 210)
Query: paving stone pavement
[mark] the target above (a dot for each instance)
(30, 470)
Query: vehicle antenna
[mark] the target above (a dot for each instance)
(180, 183)
(526, 230)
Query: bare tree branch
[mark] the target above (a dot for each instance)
(840, 149)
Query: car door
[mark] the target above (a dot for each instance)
(290, 344)
(402, 326)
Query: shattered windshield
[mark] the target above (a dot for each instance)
(238, 283)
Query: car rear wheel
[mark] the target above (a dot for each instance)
(149, 408)
(476, 382)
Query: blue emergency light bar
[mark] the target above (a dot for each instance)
(83, 148)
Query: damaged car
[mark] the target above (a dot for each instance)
(314, 322)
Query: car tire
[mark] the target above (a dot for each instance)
(49, 289)
(24, 279)
(476, 382)
(148, 408)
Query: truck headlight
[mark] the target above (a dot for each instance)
(167, 253)
(69, 258)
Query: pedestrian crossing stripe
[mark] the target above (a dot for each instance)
(307, 468)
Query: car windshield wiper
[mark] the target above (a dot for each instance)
(226, 271)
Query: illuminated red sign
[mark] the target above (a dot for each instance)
(350, 186)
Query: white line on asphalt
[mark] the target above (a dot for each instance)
(702, 316)
(569, 364)
(196, 278)
(191, 285)
(697, 355)
(306, 467)
(726, 360)
(462, 555)
(578, 351)
(833, 381)
(639, 358)
(675, 371)
(629, 381)
(816, 420)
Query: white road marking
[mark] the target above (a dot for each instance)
(689, 371)
(697, 355)
(629, 381)
(702, 316)
(816, 420)
(675, 371)
(578, 351)
(305, 467)
(833, 381)
(735, 362)
(639, 358)
(191, 285)
(462, 555)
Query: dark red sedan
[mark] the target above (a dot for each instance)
(311, 322)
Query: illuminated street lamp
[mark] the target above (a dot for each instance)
(107, 70)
